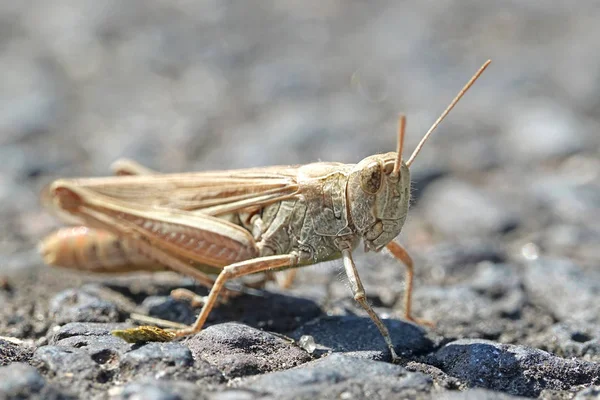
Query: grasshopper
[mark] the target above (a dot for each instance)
(238, 222)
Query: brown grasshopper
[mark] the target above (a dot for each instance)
(238, 222)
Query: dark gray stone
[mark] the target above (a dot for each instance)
(341, 376)
(22, 381)
(567, 291)
(166, 307)
(70, 368)
(266, 310)
(85, 329)
(512, 369)
(77, 305)
(95, 339)
(239, 350)
(358, 336)
(270, 311)
(11, 352)
(166, 361)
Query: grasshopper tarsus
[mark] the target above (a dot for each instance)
(240, 222)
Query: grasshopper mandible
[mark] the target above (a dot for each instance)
(238, 222)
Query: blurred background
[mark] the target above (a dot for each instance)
(211, 84)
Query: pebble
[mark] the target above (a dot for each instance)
(516, 370)
(22, 381)
(78, 305)
(239, 350)
(359, 337)
(151, 389)
(342, 376)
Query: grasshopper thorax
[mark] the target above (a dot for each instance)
(378, 199)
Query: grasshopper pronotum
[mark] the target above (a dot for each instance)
(238, 222)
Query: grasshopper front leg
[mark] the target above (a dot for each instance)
(361, 298)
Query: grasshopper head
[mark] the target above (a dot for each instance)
(379, 196)
(378, 188)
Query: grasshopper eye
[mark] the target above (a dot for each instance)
(370, 178)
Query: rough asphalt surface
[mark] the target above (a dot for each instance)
(504, 226)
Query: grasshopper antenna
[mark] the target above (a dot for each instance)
(401, 129)
(448, 109)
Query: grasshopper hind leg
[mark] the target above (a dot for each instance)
(236, 270)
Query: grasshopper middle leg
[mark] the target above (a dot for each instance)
(402, 255)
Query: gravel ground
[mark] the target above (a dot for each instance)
(504, 226)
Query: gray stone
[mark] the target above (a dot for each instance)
(358, 336)
(85, 329)
(151, 389)
(21, 381)
(77, 305)
(70, 368)
(239, 350)
(172, 361)
(11, 352)
(516, 370)
(341, 376)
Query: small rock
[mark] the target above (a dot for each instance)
(271, 311)
(11, 352)
(166, 361)
(359, 337)
(516, 370)
(239, 350)
(104, 350)
(70, 368)
(342, 377)
(85, 329)
(151, 389)
(564, 289)
(168, 308)
(77, 305)
(456, 208)
(22, 381)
